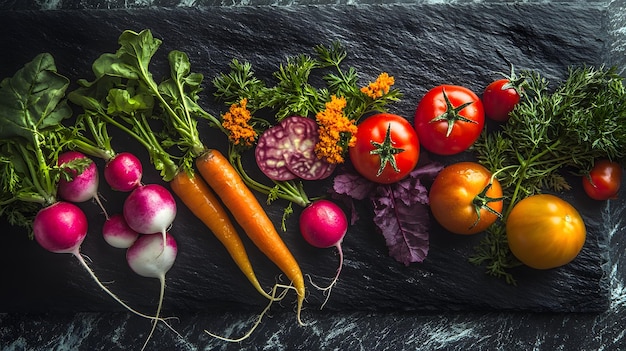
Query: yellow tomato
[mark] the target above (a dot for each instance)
(545, 231)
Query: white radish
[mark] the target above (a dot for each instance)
(150, 257)
(61, 228)
(323, 224)
(150, 209)
(123, 172)
(81, 187)
(117, 233)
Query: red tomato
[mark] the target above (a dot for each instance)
(386, 150)
(462, 199)
(499, 99)
(603, 181)
(545, 231)
(448, 119)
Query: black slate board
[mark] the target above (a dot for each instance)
(421, 46)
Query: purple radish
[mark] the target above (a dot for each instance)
(270, 154)
(323, 224)
(149, 258)
(61, 228)
(287, 151)
(81, 187)
(117, 233)
(123, 172)
(150, 209)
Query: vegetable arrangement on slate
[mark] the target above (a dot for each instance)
(339, 135)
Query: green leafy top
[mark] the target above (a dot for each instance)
(32, 107)
(125, 94)
(583, 119)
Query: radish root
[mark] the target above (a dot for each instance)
(99, 202)
(275, 297)
(95, 278)
(328, 288)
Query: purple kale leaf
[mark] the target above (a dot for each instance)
(405, 227)
(353, 185)
(401, 213)
(400, 210)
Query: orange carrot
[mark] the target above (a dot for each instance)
(248, 212)
(203, 203)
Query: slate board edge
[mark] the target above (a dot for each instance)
(306, 6)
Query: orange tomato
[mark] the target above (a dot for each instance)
(545, 231)
(462, 200)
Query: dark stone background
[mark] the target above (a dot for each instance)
(443, 303)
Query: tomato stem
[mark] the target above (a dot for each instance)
(452, 113)
(387, 152)
(482, 201)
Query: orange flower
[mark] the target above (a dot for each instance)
(235, 121)
(336, 131)
(380, 87)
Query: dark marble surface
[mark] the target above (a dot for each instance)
(405, 308)
(143, 4)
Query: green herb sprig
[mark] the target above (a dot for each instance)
(582, 120)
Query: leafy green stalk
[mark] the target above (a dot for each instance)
(126, 95)
(345, 83)
(32, 107)
(127, 113)
(583, 119)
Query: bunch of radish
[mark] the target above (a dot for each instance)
(148, 212)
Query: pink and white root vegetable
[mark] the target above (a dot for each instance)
(117, 233)
(152, 257)
(123, 172)
(61, 228)
(150, 209)
(323, 224)
(83, 186)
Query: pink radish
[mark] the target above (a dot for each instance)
(81, 187)
(323, 224)
(150, 209)
(123, 172)
(61, 228)
(149, 258)
(117, 233)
